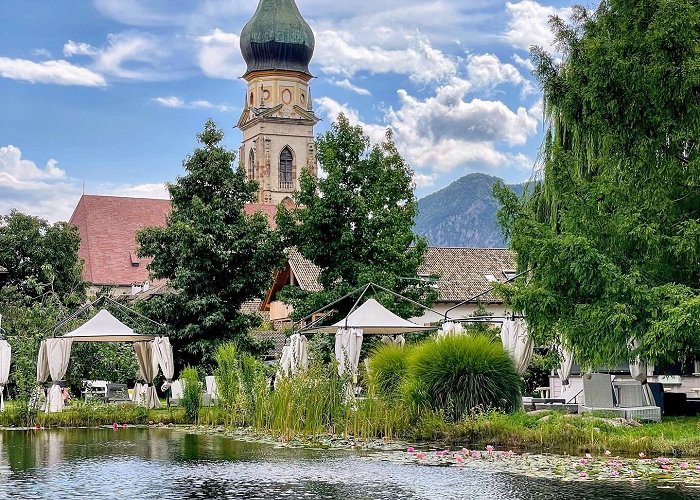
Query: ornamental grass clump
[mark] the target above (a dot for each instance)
(191, 393)
(460, 374)
(388, 366)
(227, 384)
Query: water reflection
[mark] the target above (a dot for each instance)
(167, 463)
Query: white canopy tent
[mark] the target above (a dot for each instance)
(5, 356)
(370, 318)
(295, 356)
(151, 352)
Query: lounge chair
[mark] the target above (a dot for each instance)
(566, 401)
(638, 402)
(599, 396)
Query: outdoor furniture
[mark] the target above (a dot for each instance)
(599, 396)
(117, 393)
(95, 389)
(636, 399)
(566, 401)
(675, 404)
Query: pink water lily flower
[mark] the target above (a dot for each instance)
(683, 465)
(607, 453)
(476, 454)
(489, 448)
(465, 451)
(410, 449)
(583, 461)
(614, 473)
(509, 453)
(664, 466)
(642, 454)
(583, 474)
(459, 458)
(420, 455)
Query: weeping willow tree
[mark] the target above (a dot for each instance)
(610, 230)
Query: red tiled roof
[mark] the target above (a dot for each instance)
(108, 226)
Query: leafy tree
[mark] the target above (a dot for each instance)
(611, 231)
(41, 260)
(214, 256)
(356, 223)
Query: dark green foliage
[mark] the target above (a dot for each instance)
(611, 234)
(356, 224)
(460, 374)
(388, 366)
(214, 255)
(41, 260)
(191, 393)
(463, 214)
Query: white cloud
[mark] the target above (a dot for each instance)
(219, 55)
(348, 85)
(446, 130)
(339, 53)
(487, 71)
(71, 48)
(524, 63)
(48, 192)
(528, 24)
(176, 102)
(133, 56)
(42, 53)
(58, 72)
(423, 180)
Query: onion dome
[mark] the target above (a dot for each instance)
(277, 38)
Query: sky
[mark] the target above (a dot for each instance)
(107, 96)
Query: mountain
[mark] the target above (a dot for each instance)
(462, 214)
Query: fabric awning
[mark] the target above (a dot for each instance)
(374, 319)
(104, 327)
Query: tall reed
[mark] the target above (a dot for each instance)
(191, 393)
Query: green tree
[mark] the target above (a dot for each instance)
(611, 231)
(41, 260)
(356, 223)
(214, 255)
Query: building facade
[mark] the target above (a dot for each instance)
(278, 120)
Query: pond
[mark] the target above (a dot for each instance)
(167, 463)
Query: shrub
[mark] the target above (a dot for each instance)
(462, 373)
(191, 393)
(388, 366)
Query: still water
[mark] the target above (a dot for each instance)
(166, 463)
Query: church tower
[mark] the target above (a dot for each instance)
(278, 118)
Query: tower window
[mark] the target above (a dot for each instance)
(286, 159)
(251, 165)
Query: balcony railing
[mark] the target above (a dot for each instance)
(286, 185)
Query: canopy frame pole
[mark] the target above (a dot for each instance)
(354, 306)
(467, 301)
(326, 307)
(106, 298)
(415, 303)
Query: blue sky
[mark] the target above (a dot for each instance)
(111, 93)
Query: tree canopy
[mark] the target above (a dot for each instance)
(41, 260)
(610, 232)
(214, 255)
(356, 223)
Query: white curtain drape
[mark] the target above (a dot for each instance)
(638, 368)
(450, 328)
(565, 364)
(397, 340)
(5, 356)
(42, 364)
(284, 367)
(348, 343)
(300, 352)
(163, 352)
(148, 369)
(517, 343)
(57, 354)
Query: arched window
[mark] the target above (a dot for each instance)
(251, 165)
(286, 159)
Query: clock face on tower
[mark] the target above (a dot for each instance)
(266, 95)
